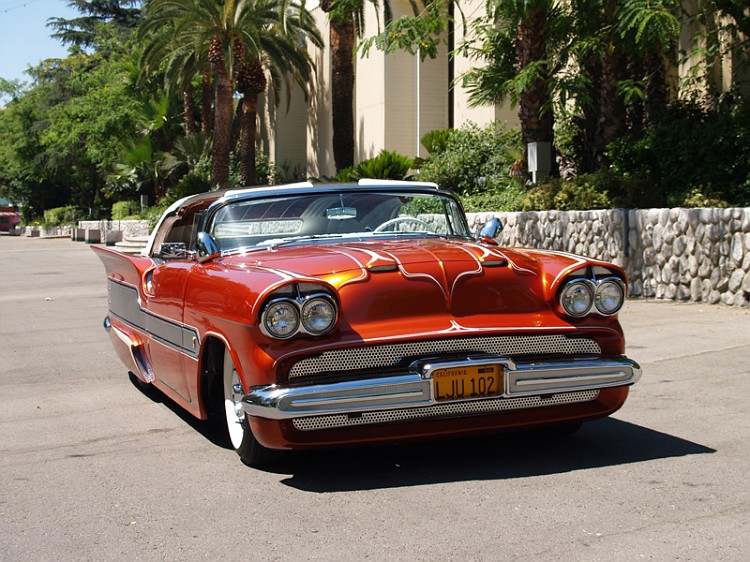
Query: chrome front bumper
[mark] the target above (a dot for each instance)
(415, 389)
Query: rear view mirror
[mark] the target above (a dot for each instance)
(341, 213)
(490, 229)
(206, 247)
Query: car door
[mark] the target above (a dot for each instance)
(173, 346)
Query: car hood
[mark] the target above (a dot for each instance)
(465, 275)
(339, 262)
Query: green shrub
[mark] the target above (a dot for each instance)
(62, 215)
(346, 175)
(153, 214)
(508, 197)
(599, 190)
(471, 156)
(437, 141)
(289, 173)
(385, 166)
(581, 193)
(691, 148)
(265, 170)
(191, 183)
(698, 198)
(125, 209)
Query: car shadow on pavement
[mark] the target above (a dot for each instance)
(607, 442)
(214, 432)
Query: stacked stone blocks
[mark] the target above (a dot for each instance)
(699, 255)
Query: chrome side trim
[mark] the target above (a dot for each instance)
(136, 352)
(125, 306)
(415, 388)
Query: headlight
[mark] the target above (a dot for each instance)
(298, 309)
(281, 319)
(318, 315)
(610, 296)
(577, 297)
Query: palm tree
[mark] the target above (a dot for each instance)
(177, 64)
(347, 22)
(231, 36)
(276, 47)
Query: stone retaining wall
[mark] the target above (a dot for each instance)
(700, 255)
(109, 229)
(43, 231)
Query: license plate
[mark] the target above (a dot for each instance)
(459, 383)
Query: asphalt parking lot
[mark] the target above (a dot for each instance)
(93, 469)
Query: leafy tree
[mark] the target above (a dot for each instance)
(83, 30)
(652, 29)
(24, 176)
(10, 89)
(62, 136)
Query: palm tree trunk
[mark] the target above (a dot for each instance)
(613, 69)
(534, 102)
(188, 102)
(223, 110)
(342, 92)
(248, 119)
(206, 102)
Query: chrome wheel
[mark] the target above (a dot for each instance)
(232, 403)
(243, 441)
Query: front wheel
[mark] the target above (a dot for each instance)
(250, 451)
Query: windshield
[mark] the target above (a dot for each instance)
(290, 218)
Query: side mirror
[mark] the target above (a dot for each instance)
(490, 230)
(206, 247)
(173, 251)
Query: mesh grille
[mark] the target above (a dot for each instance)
(384, 356)
(443, 410)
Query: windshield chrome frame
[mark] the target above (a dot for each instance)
(272, 192)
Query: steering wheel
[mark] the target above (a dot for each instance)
(386, 226)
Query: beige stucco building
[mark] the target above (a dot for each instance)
(398, 99)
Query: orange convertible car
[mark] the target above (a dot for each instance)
(312, 315)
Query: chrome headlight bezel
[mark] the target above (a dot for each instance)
(595, 293)
(607, 284)
(577, 288)
(318, 307)
(267, 318)
(307, 310)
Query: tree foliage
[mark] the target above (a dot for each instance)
(62, 136)
(128, 114)
(82, 31)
